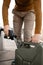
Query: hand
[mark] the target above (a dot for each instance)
(6, 28)
(36, 38)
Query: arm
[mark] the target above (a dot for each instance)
(38, 13)
(37, 7)
(5, 15)
(5, 11)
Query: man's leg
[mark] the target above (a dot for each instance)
(28, 26)
(17, 23)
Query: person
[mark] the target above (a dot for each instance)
(26, 11)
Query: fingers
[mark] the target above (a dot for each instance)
(6, 29)
(36, 38)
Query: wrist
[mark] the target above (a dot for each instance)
(6, 28)
(36, 35)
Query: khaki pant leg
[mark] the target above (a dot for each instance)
(28, 26)
(17, 24)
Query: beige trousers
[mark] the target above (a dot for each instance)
(28, 18)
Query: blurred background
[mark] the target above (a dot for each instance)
(11, 15)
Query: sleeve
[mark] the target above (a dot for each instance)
(5, 11)
(38, 13)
